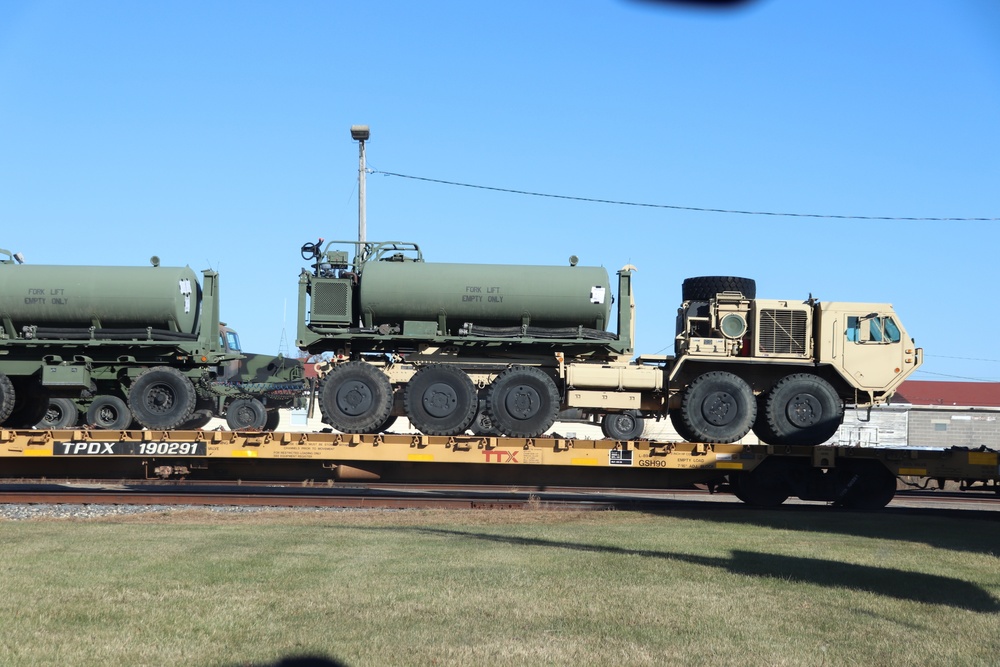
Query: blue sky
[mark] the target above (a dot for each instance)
(216, 134)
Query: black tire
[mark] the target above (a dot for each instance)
(246, 413)
(7, 398)
(703, 288)
(718, 407)
(760, 426)
(386, 425)
(623, 426)
(273, 419)
(162, 398)
(355, 397)
(29, 408)
(803, 409)
(62, 413)
(677, 421)
(440, 400)
(522, 402)
(109, 413)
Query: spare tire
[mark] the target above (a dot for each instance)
(703, 288)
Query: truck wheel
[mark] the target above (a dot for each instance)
(6, 397)
(522, 402)
(760, 426)
(29, 409)
(440, 400)
(355, 397)
(622, 426)
(677, 421)
(272, 421)
(62, 413)
(246, 413)
(718, 407)
(162, 398)
(803, 409)
(386, 425)
(703, 288)
(109, 413)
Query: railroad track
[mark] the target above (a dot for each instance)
(410, 496)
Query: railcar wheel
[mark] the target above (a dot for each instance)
(62, 413)
(522, 402)
(440, 400)
(246, 413)
(622, 425)
(870, 486)
(718, 407)
(6, 397)
(764, 486)
(355, 397)
(803, 409)
(109, 413)
(162, 398)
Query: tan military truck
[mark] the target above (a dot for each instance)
(503, 349)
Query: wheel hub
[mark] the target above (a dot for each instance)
(522, 402)
(354, 398)
(440, 399)
(719, 408)
(804, 410)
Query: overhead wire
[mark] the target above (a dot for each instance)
(676, 207)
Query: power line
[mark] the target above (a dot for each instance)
(675, 207)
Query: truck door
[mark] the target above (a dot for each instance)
(873, 349)
(229, 342)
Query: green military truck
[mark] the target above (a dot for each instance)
(504, 349)
(115, 346)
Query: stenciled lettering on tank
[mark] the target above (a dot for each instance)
(185, 287)
(34, 297)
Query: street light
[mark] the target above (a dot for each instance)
(360, 133)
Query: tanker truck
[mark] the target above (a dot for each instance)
(113, 346)
(504, 349)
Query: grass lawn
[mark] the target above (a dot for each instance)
(706, 587)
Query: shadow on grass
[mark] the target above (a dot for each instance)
(298, 661)
(889, 582)
(951, 530)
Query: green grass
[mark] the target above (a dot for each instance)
(713, 587)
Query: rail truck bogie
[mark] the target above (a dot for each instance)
(507, 349)
(109, 346)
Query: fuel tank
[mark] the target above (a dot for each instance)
(485, 294)
(101, 296)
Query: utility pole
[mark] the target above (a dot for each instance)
(360, 134)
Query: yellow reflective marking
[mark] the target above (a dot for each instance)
(728, 465)
(420, 457)
(982, 458)
(918, 472)
(583, 462)
(246, 453)
(38, 452)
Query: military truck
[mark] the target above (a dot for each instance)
(503, 349)
(113, 346)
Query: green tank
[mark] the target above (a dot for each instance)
(493, 295)
(166, 298)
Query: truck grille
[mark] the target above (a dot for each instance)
(331, 301)
(783, 331)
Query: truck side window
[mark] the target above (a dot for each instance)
(891, 330)
(852, 329)
(234, 341)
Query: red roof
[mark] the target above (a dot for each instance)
(965, 394)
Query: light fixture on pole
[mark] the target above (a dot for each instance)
(360, 133)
